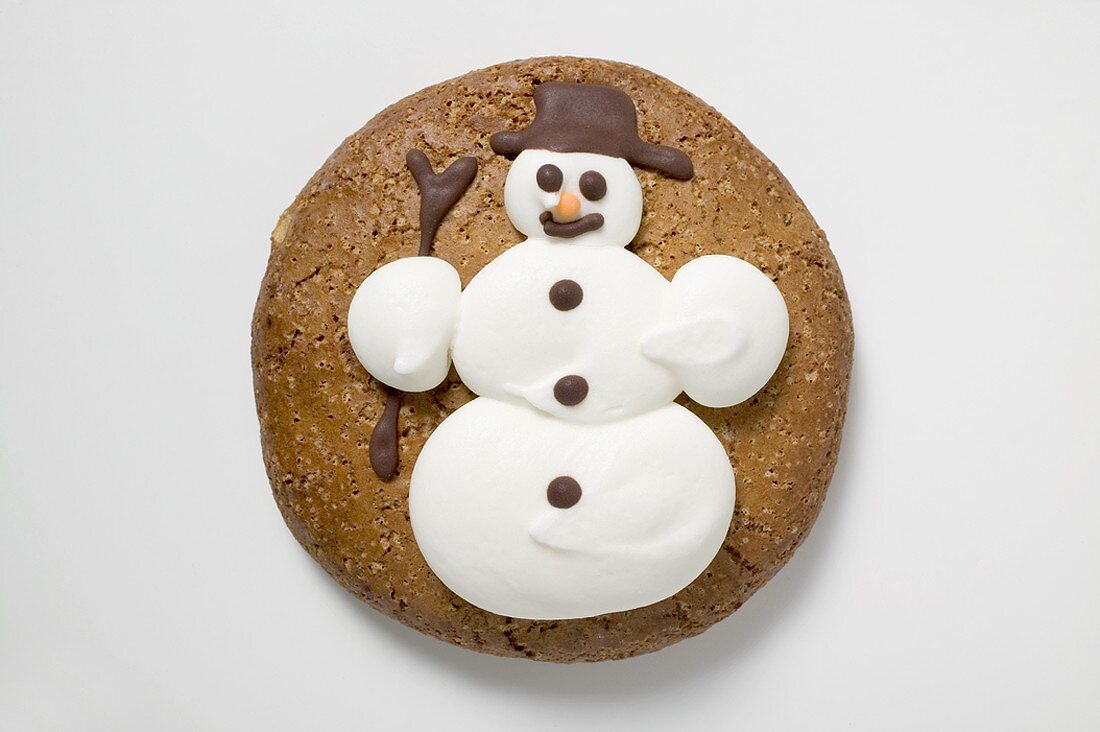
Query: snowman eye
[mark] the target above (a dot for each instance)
(593, 185)
(549, 178)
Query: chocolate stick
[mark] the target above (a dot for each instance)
(383, 439)
(439, 192)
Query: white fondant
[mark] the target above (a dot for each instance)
(402, 320)
(512, 344)
(656, 503)
(657, 484)
(621, 206)
(723, 330)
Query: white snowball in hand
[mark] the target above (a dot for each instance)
(402, 319)
(723, 330)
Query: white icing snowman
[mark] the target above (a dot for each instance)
(572, 485)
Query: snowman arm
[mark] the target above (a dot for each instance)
(402, 320)
(722, 332)
(687, 343)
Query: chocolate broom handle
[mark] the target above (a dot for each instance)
(439, 192)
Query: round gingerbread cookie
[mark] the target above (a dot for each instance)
(551, 362)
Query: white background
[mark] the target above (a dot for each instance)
(147, 581)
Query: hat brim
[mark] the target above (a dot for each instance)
(507, 143)
(668, 160)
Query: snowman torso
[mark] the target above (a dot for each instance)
(518, 336)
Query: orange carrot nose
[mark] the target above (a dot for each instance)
(568, 205)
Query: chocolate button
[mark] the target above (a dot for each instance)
(563, 492)
(571, 390)
(566, 294)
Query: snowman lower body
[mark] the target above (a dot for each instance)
(655, 502)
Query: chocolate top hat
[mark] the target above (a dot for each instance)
(571, 117)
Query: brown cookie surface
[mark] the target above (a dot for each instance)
(317, 405)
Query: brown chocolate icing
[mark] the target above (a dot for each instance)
(549, 178)
(572, 117)
(383, 440)
(569, 229)
(439, 192)
(571, 390)
(593, 185)
(563, 492)
(566, 294)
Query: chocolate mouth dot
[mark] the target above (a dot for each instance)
(563, 492)
(571, 390)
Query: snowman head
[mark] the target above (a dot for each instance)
(582, 198)
(572, 178)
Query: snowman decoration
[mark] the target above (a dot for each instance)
(573, 485)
